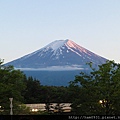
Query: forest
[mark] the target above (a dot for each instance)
(97, 93)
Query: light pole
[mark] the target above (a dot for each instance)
(11, 106)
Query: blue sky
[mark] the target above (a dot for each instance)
(28, 25)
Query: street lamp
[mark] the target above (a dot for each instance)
(11, 106)
(104, 103)
(100, 101)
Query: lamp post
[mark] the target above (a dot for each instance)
(11, 106)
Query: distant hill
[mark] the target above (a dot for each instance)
(53, 78)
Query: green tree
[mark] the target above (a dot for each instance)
(97, 93)
(11, 86)
(54, 94)
(32, 92)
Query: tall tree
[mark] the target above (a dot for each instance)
(97, 92)
(11, 86)
(32, 92)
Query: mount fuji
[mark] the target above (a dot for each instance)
(58, 55)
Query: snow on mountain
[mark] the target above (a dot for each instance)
(60, 54)
(56, 44)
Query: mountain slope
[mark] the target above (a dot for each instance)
(59, 54)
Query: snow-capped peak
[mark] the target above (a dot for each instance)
(72, 44)
(56, 44)
(59, 43)
(58, 53)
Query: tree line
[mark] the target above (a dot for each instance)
(96, 93)
(26, 90)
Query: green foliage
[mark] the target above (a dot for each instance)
(36, 93)
(32, 91)
(102, 84)
(11, 86)
(14, 84)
